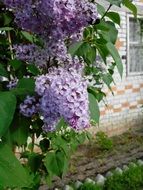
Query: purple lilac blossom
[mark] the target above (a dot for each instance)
(74, 63)
(63, 90)
(32, 54)
(29, 107)
(40, 56)
(53, 18)
(54, 21)
(63, 94)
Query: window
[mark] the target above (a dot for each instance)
(135, 45)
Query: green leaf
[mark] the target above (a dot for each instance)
(7, 18)
(7, 109)
(16, 64)
(3, 72)
(115, 2)
(97, 93)
(93, 108)
(86, 51)
(21, 92)
(6, 28)
(114, 53)
(100, 9)
(12, 174)
(108, 79)
(19, 130)
(62, 162)
(28, 36)
(28, 84)
(34, 161)
(115, 17)
(74, 48)
(51, 164)
(90, 55)
(102, 26)
(33, 69)
(102, 49)
(60, 143)
(130, 6)
(55, 163)
(81, 138)
(111, 34)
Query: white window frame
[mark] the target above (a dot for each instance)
(128, 47)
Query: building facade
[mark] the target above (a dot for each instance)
(123, 110)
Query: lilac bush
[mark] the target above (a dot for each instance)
(51, 82)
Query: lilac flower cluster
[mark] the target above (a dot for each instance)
(29, 107)
(53, 18)
(63, 91)
(43, 57)
(54, 21)
(63, 94)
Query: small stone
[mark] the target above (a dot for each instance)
(118, 170)
(140, 162)
(68, 187)
(125, 167)
(78, 184)
(88, 180)
(100, 179)
(108, 174)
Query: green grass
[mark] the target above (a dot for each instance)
(131, 179)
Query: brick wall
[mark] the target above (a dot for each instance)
(123, 110)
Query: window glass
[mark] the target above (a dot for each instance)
(135, 45)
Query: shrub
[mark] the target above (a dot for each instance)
(51, 79)
(104, 142)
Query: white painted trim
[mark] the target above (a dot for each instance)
(128, 48)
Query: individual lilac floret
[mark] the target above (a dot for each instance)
(29, 107)
(64, 94)
(12, 84)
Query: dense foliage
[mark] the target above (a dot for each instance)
(53, 64)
